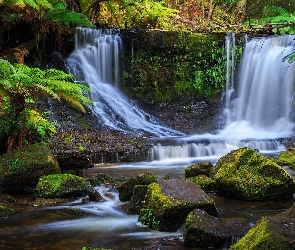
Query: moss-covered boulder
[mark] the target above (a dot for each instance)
(137, 200)
(202, 168)
(125, 189)
(168, 203)
(20, 169)
(206, 231)
(270, 233)
(248, 175)
(5, 211)
(204, 182)
(287, 157)
(65, 185)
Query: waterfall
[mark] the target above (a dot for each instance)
(96, 61)
(258, 104)
(264, 104)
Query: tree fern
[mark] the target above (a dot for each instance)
(36, 4)
(20, 83)
(59, 15)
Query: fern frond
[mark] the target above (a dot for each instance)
(290, 58)
(72, 102)
(68, 18)
(55, 74)
(6, 69)
(32, 3)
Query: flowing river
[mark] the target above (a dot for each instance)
(258, 114)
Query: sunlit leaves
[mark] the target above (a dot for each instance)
(22, 86)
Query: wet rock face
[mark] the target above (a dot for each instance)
(79, 149)
(73, 160)
(20, 169)
(206, 231)
(248, 175)
(168, 203)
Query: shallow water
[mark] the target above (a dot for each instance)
(106, 224)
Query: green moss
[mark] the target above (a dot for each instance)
(25, 158)
(155, 208)
(5, 211)
(260, 237)
(202, 168)
(287, 157)
(61, 185)
(125, 189)
(248, 175)
(204, 182)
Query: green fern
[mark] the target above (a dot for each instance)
(23, 85)
(36, 4)
(59, 14)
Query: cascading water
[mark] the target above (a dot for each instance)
(96, 62)
(264, 104)
(257, 113)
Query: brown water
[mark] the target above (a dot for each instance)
(106, 224)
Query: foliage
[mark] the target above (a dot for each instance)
(282, 21)
(178, 63)
(21, 87)
(135, 14)
(45, 18)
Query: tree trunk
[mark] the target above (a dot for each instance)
(210, 12)
(240, 11)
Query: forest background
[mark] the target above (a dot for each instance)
(31, 30)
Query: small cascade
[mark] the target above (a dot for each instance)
(203, 151)
(96, 61)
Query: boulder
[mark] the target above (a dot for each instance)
(168, 203)
(248, 175)
(125, 189)
(287, 157)
(205, 231)
(20, 169)
(202, 168)
(270, 233)
(65, 185)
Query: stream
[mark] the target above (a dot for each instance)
(106, 224)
